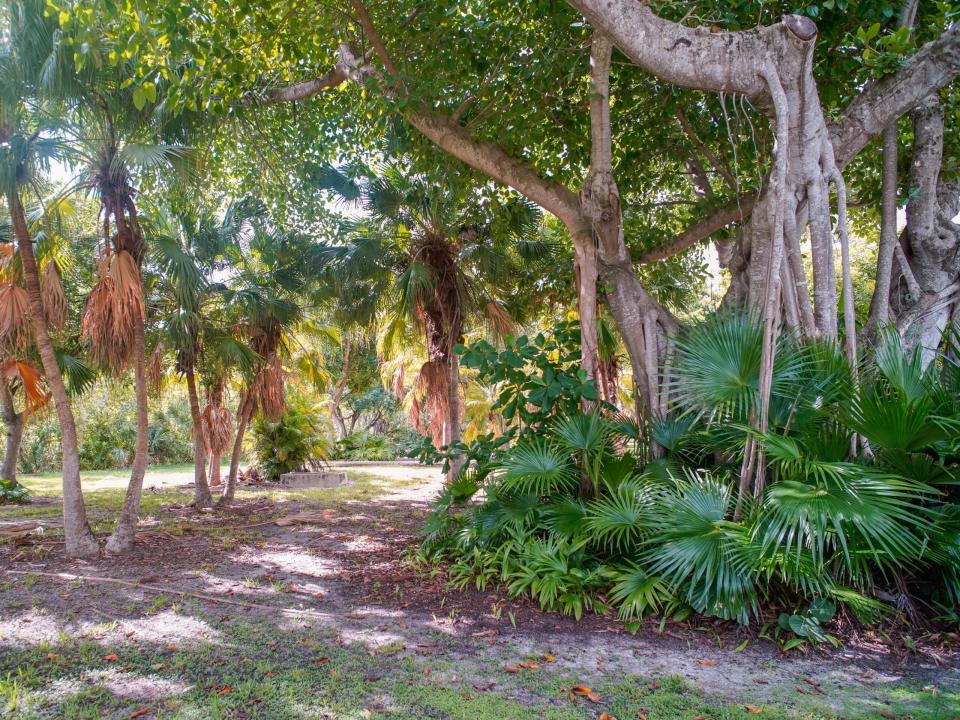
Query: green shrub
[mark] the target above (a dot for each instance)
(576, 515)
(298, 441)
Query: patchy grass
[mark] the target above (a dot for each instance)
(267, 670)
(97, 661)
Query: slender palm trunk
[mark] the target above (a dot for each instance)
(201, 491)
(243, 417)
(13, 421)
(78, 538)
(123, 537)
(452, 423)
(214, 470)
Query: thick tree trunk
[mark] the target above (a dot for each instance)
(635, 312)
(123, 536)
(245, 411)
(201, 491)
(13, 422)
(79, 540)
(932, 239)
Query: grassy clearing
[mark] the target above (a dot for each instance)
(263, 670)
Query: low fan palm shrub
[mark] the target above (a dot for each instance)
(861, 502)
(298, 440)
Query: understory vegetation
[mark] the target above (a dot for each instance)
(587, 512)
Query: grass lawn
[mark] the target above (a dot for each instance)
(84, 650)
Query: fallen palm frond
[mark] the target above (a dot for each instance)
(114, 308)
(53, 296)
(35, 395)
(14, 315)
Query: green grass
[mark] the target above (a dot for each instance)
(264, 671)
(164, 485)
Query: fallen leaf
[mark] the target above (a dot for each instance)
(484, 687)
(528, 665)
(606, 716)
(642, 714)
(708, 663)
(655, 685)
(110, 658)
(753, 709)
(585, 692)
(549, 658)
(808, 681)
(270, 673)
(426, 671)
(225, 690)
(511, 669)
(138, 713)
(321, 661)
(760, 681)
(52, 656)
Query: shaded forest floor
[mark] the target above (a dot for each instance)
(235, 616)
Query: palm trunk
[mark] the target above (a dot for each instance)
(123, 537)
(452, 423)
(201, 491)
(14, 424)
(78, 538)
(243, 417)
(214, 470)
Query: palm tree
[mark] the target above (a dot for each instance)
(26, 146)
(443, 262)
(114, 136)
(190, 248)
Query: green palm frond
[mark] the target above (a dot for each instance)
(840, 508)
(582, 432)
(537, 468)
(566, 516)
(78, 375)
(637, 592)
(621, 518)
(700, 555)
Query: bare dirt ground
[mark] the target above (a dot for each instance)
(344, 571)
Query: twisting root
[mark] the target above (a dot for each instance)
(849, 315)
(753, 461)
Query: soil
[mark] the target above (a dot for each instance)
(348, 567)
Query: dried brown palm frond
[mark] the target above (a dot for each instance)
(156, 377)
(53, 296)
(415, 415)
(269, 389)
(29, 377)
(112, 311)
(14, 316)
(499, 319)
(431, 384)
(217, 428)
(399, 382)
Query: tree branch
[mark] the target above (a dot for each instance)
(700, 230)
(932, 67)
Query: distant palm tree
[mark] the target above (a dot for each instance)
(442, 261)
